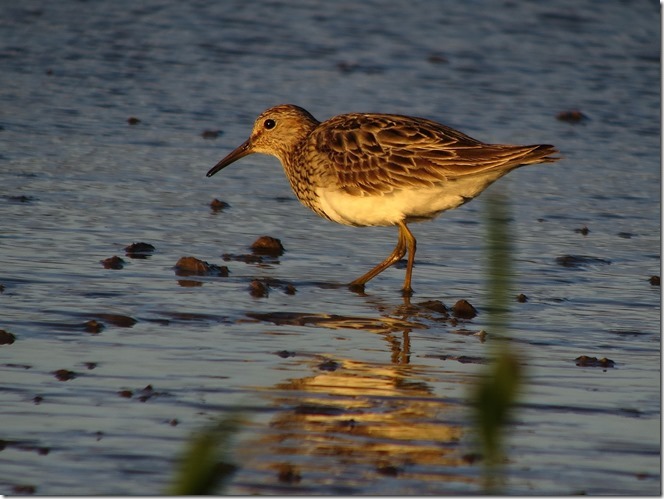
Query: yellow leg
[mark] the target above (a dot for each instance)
(405, 243)
(411, 245)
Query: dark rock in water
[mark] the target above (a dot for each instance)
(434, 306)
(117, 319)
(586, 361)
(92, 326)
(24, 490)
(329, 365)
(571, 116)
(288, 474)
(580, 261)
(6, 338)
(464, 310)
(258, 289)
(211, 134)
(285, 354)
(521, 298)
(189, 265)
(20, 199)
(139, 250)
(266, 245)
(64, 374)
(218, 205)
(654, 280)
(583, 231)
(114, 262)
(132, 120)
(388, 470)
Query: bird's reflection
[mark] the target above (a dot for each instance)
(352, 423)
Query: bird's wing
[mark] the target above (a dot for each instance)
(378, 153)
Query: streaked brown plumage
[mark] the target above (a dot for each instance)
(381, 169)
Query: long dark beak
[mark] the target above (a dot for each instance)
(241, 151)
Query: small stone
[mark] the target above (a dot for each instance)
(6, 338)
(189, 265)
(132, 120)
(434, 306)
(64, 374)
(464, 310)
(521, 298)
(218, 205)
(258, 289)
(654, 280)
(24, 489)
(211, 134)
(388, 470)
(266, 245)
(92, 326)
(586, 361)
(114, 262)
(329, 365)
(139, 250)
(571, 116)
(288, 474)
(285, 354)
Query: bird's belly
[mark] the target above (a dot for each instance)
(387, 209)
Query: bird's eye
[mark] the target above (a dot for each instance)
(269, 124)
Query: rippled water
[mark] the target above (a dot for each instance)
(344, 393)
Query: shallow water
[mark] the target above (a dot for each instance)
(353, 394)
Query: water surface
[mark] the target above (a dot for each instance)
(344, 393)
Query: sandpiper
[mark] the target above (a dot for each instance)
(366, 169)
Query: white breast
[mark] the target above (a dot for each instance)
(407, 204)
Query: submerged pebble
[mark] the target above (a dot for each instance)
(6, 338)
(218, 205)
(462, 309)
(288, 473)
(64, 374)
(92, 326)
(586, 361)
(24, 489)
(258, 289)
(117, 319)
(434, 306)
(211, 134)
(189, 265)
(114, 262)
(571, 116)
(580, 261)
(139, 250)
(266, 245)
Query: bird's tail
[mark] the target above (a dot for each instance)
(540, 153)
